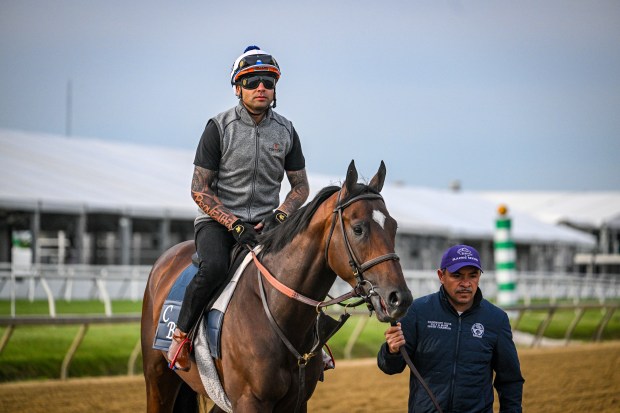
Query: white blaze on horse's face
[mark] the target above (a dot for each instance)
(379, 218)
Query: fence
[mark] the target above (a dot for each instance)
(85, 321)
(107, 283)
(70, 282)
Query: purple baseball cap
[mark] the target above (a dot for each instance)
(460, 256)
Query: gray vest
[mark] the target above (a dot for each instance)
(252, 164)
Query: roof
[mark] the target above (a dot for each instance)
(588, 210)
(69, 173)
(73, 174)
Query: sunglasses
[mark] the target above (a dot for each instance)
(252, 82)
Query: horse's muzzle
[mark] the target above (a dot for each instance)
(394, 306)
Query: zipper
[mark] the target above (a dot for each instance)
(456, 353)
(253, 192)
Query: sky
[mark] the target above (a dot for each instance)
(498, 95)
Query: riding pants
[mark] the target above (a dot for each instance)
(213, 243)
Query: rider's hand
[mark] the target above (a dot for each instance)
(274, 220)
(244, 233)
(394, 338)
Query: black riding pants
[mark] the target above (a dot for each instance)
(213, 243)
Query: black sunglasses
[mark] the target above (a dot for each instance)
(252, 82)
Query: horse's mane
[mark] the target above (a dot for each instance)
(283, 234)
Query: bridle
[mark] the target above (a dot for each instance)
(359, 290)
(364, 289)
(358, 269)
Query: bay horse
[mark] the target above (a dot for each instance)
(344, 231)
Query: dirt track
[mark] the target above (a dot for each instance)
(574, 379)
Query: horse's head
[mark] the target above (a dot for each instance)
(360, 245)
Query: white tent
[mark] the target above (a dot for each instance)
(588, 210)
(57, 173)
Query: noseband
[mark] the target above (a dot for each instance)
(363, 289)
(358, 269)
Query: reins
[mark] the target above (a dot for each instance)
(357, 291)
(358, 269)
(289, 292)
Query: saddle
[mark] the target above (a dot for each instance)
(169, 313)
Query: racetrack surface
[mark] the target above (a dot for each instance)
(578, 378)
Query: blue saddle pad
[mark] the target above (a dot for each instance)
(169, 314)
(213, 323)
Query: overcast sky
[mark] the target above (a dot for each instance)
(500, 95)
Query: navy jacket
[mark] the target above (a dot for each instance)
(457, 355)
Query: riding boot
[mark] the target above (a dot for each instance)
(178, 353)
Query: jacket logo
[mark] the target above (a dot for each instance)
(441, 325)
(276, 148)
(477, 330)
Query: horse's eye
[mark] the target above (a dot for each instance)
(358, 230)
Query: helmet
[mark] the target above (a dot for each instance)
(253, 60)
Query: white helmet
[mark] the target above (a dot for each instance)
(254, 60)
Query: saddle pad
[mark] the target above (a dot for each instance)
(215, 318)
(172, 306)
(213, 324)
(208, 372)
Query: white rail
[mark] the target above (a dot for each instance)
(107, 283)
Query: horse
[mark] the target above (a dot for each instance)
(345, 231)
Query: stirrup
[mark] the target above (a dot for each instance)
(172, 363)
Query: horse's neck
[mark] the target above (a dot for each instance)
(301, 267)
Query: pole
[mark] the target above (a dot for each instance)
(69, 108)
(505, 257)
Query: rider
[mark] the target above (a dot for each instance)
(238, 169)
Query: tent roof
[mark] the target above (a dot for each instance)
(588, 210)
(72, 174)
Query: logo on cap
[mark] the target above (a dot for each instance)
(464, 251)
(460, 256)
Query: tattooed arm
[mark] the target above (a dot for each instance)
(206, 199)
(298, 193)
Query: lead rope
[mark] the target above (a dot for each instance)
(417, 375)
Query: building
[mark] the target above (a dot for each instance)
(596, 213)
(83, 200)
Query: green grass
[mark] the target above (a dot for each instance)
(561, 320)
(37, 352)
(368, 343)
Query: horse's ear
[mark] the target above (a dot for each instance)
(351, 180)
(377, 181)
